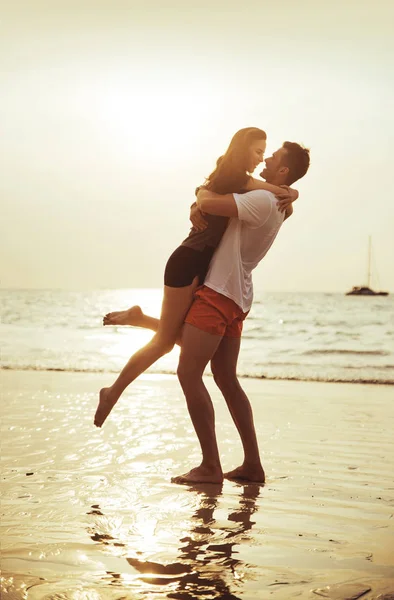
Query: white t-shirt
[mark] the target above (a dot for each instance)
(245, 242)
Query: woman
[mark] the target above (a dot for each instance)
(188, 265)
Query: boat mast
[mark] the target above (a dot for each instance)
(369, 261)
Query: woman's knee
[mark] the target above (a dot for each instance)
(164, 345)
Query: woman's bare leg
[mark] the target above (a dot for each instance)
(135, 317)
(131, 316)
(176, 303)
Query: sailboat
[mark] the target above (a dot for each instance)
(366, 290)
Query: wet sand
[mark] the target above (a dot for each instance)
(90, 513)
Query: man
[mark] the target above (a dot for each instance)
(213, 326)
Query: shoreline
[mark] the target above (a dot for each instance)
(208, 374)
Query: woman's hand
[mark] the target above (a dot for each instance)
(197, 218)
(286, 198)
(200, 187)
(288, 212)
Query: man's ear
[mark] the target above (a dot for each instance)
(284, 171)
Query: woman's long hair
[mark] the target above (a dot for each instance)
(231, 174)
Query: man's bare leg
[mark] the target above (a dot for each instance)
(176, 303)
(197, 348)
(224, 370)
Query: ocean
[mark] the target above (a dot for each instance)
(300, 336)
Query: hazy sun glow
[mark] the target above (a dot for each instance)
(112, 117)
(150, 123)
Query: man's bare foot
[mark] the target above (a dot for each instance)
(200, 475)
(131, 316)
(105, 405)
(252, 474)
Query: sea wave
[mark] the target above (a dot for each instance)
(342, 351)
(317, 378)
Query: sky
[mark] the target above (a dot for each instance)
(114, 111)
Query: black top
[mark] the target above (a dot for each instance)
(211, 236)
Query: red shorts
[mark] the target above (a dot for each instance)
(216, 314)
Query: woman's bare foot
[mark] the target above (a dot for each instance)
(252, 474)
(105, 405)
(131, 316)
(200, 475)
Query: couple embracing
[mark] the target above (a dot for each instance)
(208, 292)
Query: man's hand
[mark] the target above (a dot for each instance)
(197, 218)
(286, 198)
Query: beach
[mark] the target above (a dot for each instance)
(90, 513)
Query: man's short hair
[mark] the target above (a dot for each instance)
(297, 159)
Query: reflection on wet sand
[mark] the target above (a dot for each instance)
(205, 559)
(327, 518)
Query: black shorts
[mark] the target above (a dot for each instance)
(185, 264)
